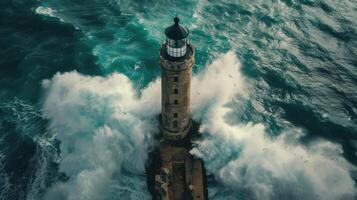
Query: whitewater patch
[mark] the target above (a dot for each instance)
(49, 12)
(106, 130)
(243, 157)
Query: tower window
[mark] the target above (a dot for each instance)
(176, 102)
(175, 79)
(175, 115)
(175, 124)
(176, 91)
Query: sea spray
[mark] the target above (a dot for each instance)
(300, 56)
(242, 157)
(106, 128)
(105, 131)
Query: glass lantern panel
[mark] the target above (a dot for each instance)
(176, 43)
(176, 52)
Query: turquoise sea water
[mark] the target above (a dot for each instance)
(274, 86)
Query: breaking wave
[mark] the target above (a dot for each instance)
(244, 159)
(106, 129)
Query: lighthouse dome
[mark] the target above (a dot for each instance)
(176, 31)
(176, 39)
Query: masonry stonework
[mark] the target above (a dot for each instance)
(176, 87)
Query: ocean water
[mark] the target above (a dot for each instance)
(274, 87)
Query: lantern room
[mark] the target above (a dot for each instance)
(176, 39)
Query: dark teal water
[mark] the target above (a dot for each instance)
(274, 86)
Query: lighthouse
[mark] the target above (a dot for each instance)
(173, 173)
(176, 61)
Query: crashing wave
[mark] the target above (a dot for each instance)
(242, 157)
(106, 129)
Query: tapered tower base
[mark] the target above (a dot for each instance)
(174, 174)
(175, 136)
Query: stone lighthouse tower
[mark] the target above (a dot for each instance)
(176, 60)
(173, 173)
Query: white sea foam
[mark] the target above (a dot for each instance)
(28, 120)
(49, 12)
(45, 11)
(46, 153)
(242, 156)
(105, 129)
